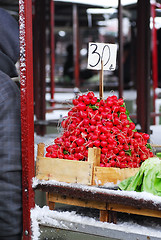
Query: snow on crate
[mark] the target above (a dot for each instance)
(94, 189)
(104, 124)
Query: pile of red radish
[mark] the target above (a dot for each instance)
(104, 124)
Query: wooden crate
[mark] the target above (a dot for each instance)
(90, 173)
(70, 171)
(103, 175)
(108, 210)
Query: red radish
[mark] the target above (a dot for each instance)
(104, 124)
(90, 95)
(97, 132)
(93, 100)
(103, 144)
(80, 141)
(94, 137)
(103, 137)
(96, 143)
(75, 102)
(81, 106)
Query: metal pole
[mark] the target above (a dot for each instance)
(36, 70)
(120, 37)
(76, 45)
(143, 65)
(52, 46)
(39, 64)
(27, 113)
(154, 56)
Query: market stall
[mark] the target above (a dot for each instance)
(148, 207)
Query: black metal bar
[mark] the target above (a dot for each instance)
(52, 52)
(76, 45)
(120, 54)
(143, 65)
(39, 63)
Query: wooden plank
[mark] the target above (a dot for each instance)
(101, 81)
(63, 170)
(53, 197)
(96, 193)
(40, 149)
(51, 205)
(103, 175)
(94, 156)
(134, 210)
(108, 216)
(104, 216)
(155, 145)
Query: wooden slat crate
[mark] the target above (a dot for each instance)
(89, 173)
(108, 211)
(108, 202)
(105, 214)
(70, 171)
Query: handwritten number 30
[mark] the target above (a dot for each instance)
(102, 54)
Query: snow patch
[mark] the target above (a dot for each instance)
(137, 195)
(44, 216)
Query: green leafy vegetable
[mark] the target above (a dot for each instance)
(149, 146)
(127, 114)
(94, 107)
(158, 154)
(128, 152)
(147, 179)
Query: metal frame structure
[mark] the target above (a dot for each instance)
(143, 65)
(52, 46)
(26, 82)
(39, 44)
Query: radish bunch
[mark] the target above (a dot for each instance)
(104, 124)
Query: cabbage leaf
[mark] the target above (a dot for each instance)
(147, 179)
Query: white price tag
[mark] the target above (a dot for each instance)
(102, 51)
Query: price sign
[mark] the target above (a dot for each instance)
(106, 53)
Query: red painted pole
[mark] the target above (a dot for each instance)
(52, 46)
(154, 57)
(27, 122)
